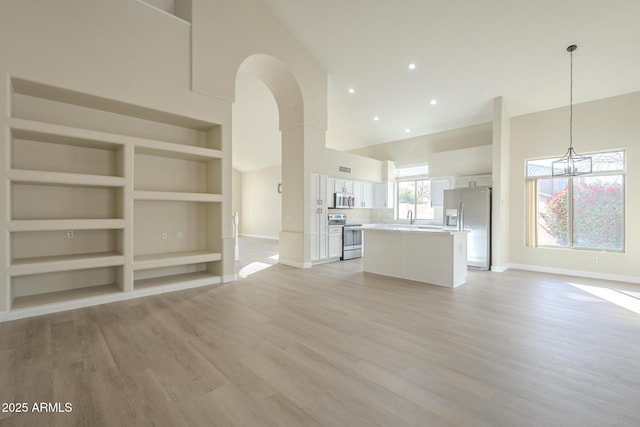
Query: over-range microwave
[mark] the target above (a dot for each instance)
(344, 200)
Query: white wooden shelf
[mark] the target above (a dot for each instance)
(75, 179)
(60, 134)
(52, 264)
(48, 132)
(63, 297)
(65, 224)
(176, 282)
(176, 196)
(176, 151)
(145, 262)
(86, 163)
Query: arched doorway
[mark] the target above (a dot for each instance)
(288, 98)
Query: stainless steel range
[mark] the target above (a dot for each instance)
(351, 236)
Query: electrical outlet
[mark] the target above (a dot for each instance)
(70, 234)
(180, 234)
(164, 235)
(594, 259)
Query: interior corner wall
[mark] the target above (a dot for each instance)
(261, 212)
(602, 125)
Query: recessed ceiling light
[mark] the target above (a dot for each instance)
(407, 130)
(433, 102)
(412, 66)
(352, 90)
(376, 118)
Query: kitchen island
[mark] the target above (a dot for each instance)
(423, 254)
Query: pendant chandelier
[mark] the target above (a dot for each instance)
(571, 164)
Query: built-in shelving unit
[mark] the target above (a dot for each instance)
(105, 201)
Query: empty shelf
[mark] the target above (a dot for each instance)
(65, 224)
(177, 281)
(145, 262)
(176, 197)
(61, 297)
(52, 264)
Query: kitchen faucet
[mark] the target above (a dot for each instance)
(410, 216)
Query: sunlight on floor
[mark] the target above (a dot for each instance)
(614, 296)
(275, 257)
(252, 268)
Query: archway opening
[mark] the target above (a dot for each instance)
(267, 101)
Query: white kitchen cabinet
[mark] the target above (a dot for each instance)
(318, 193)
(437, 190)
(364, 193)
(383, 197)
(368, 194)
(329, 193)
(343, 186)
(485, 180)
(358, 193)
(318, 217)
(335, 242)
(482, 180)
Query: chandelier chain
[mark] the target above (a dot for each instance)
(571, 102)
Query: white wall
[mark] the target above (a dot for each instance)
(606, 124)
(261, 213)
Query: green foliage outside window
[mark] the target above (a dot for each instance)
(597, 215)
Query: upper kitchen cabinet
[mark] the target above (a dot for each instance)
(364, 193)
(343, 186)
(438, 186)
(483, 180)
(383, 197)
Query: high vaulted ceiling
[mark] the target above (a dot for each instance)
(466, 52)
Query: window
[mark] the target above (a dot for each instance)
(585, 211)
(414, 193)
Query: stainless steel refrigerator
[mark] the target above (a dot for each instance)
(470, 209)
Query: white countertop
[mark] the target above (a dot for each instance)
(407, 227)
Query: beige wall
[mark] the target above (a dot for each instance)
(606, 124)
(261, 213)
(433, 148)
(327, 161)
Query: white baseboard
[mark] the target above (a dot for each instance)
(577, 273)
(229, 278)
(500, 268)
(295, 264)
(258, 236)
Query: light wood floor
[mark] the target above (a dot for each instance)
(333, 346)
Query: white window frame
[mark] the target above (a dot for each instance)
(531, 191)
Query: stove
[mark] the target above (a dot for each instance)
(351, 236)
